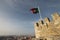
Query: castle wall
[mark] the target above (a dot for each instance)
(44, 28)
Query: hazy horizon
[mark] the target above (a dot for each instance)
(16, 17)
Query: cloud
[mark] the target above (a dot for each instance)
(15, 18)
(11, 3)
(10, 26)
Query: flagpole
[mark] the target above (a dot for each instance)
(39, 13)
(40, 17)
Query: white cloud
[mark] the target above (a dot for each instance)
(10, 25)
(11, 3)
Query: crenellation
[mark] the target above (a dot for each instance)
(44, 28)
(41, 22)
(47, 20)
(37, 24)
(55, 16)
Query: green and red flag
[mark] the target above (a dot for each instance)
(34, 10)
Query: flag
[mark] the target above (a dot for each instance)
(35, 10)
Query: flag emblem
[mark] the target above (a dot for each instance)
(35, 10)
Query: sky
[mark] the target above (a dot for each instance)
(17, 19)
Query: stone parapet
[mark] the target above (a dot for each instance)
(47, 27)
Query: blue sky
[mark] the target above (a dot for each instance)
(17, 19)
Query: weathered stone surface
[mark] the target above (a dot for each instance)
(48, 28)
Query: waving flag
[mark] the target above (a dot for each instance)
(35, 10)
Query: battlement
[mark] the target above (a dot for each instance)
(48, 27)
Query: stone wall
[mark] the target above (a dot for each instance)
(44, 28)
